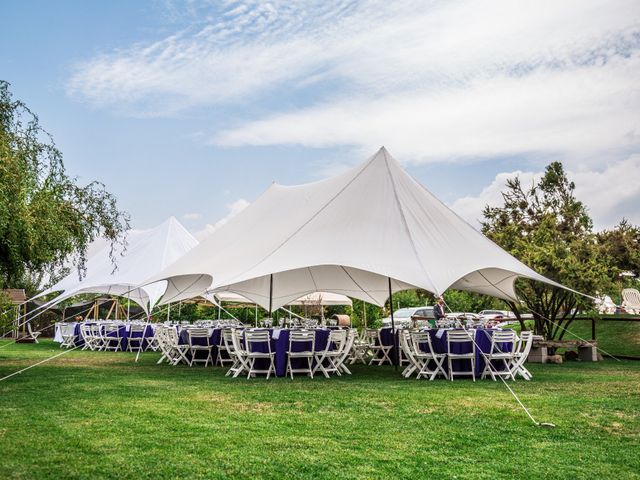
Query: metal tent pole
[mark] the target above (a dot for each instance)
(393, 327)
(270, 294)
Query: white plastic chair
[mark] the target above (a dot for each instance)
(631, 300)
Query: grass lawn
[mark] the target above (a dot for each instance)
(99, 415)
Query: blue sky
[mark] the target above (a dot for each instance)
(192, 108)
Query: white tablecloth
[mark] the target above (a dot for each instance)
(61, 330)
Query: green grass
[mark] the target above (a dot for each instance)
(617, 338)
(99, 415)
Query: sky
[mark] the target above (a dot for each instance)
(192, 108)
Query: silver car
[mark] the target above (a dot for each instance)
(404, 317)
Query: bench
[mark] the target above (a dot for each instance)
(587, 350)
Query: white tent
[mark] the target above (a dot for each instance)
(315, 298)
(350, 234)
(322, 298)
(148, 252)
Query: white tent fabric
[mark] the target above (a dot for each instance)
(323, 298)
(315, 298)
(348, 234)
(147, 252)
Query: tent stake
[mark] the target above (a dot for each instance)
(393, 327)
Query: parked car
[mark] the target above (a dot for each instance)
(404, 317)
(464, 316)
(496, 315)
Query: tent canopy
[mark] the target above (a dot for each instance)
(349, 235)
(147, 253)
(315, 298)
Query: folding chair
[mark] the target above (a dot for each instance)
(111, 339)
(406, 347)
(233, 342)
(199, 342)
(223, 348)
(520, 355)
(32, 334)
(86, 333)
(432, 363)
(97, 339)
(332, 353)
(68, 335)
(459, 338)
(306, 338)
(352, 333)
(254, 339)
(136, 337)
(359, 350)
(379, 351)
(498, 352)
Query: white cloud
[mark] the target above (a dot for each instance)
(432, 81)
(577, 113)
(192, 216)
(234, 208)
(610, 193)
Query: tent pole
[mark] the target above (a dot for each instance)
(393, 327)
(168, 310)
(270, 294)
(256, 314)
(128, 305)
(364, 313)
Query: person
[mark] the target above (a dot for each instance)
(438, 310)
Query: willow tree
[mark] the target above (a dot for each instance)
(548, 229)
(46, 218)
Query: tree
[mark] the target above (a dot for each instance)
(46, 218)
(548, 229)
(621, 246)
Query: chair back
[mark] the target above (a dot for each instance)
(112, 331)
(337, 338)
(406, 343)
(85, 331)
(199, 334)
(526, 341)
(302, 336)
(498, 339)
(226, 338)
(236, 341)
(631, 297)
(370, 336)
(95, 330)
(257, 337)
(137, 328)
(419, 340)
